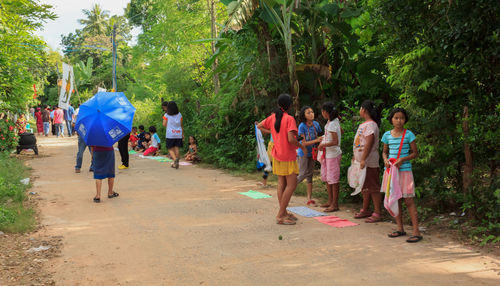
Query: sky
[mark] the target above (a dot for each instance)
(69, 11)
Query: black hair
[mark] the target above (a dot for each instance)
(302, 114)
(329, 107)
(141, 127)
(284, 102)
(172, 108)
(165, 103)
(134, 127)
(396, 110)
(152, 129)
(147, 133)
(372, 110)
(194, 138)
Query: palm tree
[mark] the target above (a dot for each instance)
(96, 22)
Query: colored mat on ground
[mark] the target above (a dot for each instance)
(305, 212)
(185, 163)
(335, 221)
(256, 195)
(132, 152)
(156, 158)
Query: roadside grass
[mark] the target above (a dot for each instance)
(15, 214)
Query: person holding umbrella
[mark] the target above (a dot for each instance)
(103, 120)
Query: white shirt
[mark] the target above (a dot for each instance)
(332, 126)
(155, 140)
(174, 129)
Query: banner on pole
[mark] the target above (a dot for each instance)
(67, 86)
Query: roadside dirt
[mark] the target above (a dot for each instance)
(192, 227)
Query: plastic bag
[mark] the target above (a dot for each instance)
(356, 177)
(262, 158)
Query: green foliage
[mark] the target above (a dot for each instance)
(14, 216)
(8, 136)
(21, 53)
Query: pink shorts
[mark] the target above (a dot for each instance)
(149, 151)
(407, 184)
(330, 170)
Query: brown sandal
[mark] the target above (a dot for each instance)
(362, 214)
(374, 218)
(285, 221)
(331, 210)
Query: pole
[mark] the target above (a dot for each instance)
(114, 58)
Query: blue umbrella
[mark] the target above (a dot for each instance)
(105, 118)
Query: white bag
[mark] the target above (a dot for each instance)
(261, 151)
(356, 177)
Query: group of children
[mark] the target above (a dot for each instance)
(399, 147)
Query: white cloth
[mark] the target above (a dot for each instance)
(332, 151)
(261, 151)
(174, 128)
(356, 177)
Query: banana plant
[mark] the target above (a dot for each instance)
(280, 13)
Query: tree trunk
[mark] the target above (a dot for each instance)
(468, 166)
(213, 30)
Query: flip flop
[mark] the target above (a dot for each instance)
(285, 221)
(330, 210)
(311, 203)
(324, 205)
(292, 217)
(374, 218)
(414, 238)
(362, 214)
(97, 200)
(396, 233)
(113, 195)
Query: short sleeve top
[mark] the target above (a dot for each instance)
(309, 133)
(364, 130)
(283, 151)
(174, 127)
(394, 147)
(155, 140)
(332, 126)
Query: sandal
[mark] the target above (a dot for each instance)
(285, 221)
(324, 205)
(331, 210)
(292, 217)
(311, 203)
(113, 195)
(97, 200)
(396, 233)
(414, 238)
(374, 218)
(362, 214)
(177, 163)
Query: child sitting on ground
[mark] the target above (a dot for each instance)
(142, 137)
(132, 140)
(192, 154)
(155, 142)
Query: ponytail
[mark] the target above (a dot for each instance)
(372, 110)
(284, 102)
(329, 107)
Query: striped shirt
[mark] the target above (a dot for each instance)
(394, 147)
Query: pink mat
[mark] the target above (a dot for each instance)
(185, 163)
(335, 221)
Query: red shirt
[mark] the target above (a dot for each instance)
(58, 116)
(283, 150)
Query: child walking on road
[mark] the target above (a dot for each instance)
(104, 168)
(172, 120)
(284, 131)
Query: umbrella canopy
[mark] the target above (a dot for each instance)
(105, 118)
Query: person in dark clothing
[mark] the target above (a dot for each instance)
(123, 148)
(142, 137)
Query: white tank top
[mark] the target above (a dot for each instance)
(174, 129)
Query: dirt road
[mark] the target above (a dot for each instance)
(192, 227)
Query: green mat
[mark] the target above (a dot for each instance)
(132, 152)
(256, 195)
(161, 159)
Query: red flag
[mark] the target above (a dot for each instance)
(34, 95)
